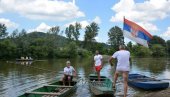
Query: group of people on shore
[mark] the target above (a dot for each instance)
(122, 67)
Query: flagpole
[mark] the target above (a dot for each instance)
(122, 30)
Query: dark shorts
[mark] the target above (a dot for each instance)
(67, 77)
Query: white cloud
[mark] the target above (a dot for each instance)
(42, 28)
(167, 33)
(85, 23)
(147, 12)
(8, 23)
(97, 20)
(42, 9)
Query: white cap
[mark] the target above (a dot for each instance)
(68, 62)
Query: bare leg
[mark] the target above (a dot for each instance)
(64, 80)
(69, 80)
(98, 74)
(125, 77)
(115, 78)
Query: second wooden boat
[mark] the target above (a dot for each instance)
(101, 88)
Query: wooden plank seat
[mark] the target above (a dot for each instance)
(63, 90)
(44, 93)
(48, 96)
(58, 86)
(98, 81)
(96, 78)
(60, 91)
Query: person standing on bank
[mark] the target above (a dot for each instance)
(98, 63)
(68, 73)
(123, 67)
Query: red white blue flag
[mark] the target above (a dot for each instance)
(136, 33)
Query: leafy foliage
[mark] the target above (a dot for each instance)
(158, 50)
(115, 37)
(91, 31)
(3, 30)
(72, 32)
(158, 40)
(168, 47)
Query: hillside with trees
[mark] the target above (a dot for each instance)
(52, 44)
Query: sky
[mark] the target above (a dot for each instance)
(41, 15)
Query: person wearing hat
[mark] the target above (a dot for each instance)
(68, 73)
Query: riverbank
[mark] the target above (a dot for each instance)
(162, 93)
(159, 93)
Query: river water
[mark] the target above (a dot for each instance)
(16, 78)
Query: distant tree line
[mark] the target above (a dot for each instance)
(52, 44)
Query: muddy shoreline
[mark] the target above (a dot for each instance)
(162, 93)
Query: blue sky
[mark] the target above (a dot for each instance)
(40, 15)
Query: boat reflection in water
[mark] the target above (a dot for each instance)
(24, 62)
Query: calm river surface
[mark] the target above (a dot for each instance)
(17, 78)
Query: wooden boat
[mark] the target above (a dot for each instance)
(146, 83)
(55, 89)
(102, 88)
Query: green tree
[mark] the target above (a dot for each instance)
(115, 37)
(3, 30)
(158, 40)
(7, 49)
(72, 49)
(91, 31)
(76, 32)
(69, 32)
(73, 32)
(54, 30)
(158, 50)
(129, 46)
(23, 42)
(142, 51)
(14, 34)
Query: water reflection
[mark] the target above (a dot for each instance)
(15, 79)
(27, 63)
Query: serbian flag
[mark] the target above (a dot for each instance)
(136, 33)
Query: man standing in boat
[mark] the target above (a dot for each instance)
(123, 67)
(68, 73)
(98, 63)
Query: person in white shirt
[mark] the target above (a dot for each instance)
(68, 73)
(98, 63)
(123, 66)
